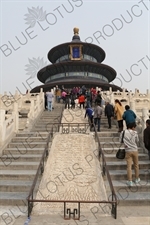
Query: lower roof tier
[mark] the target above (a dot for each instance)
(70, 83)
(76, 66)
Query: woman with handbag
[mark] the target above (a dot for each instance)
(130, 141)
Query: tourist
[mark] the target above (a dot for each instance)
(81, 100)
(109, 112)
(83, 90)
(129, 116)
(98, 98)
(50, 97)
(89, 112)
(63, 96)
(45, 100)
(88, 99)
(119, 110)
(67, 100)
(97, 115)
(146, 137)
(130, 141)
(72, 98)
(58, 95)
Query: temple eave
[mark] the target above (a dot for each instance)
(77, 66)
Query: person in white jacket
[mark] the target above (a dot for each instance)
(50, 97)
(130, 141)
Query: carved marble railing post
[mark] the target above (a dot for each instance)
(132, 106)
(148, 93)
(38, 103)
(32, 109)
(136, 95)
(16, 116)
(42, 99)
(123, 93)
(129, 97)
(17, 97)
(112, 98)
(1, 101)
(2, 128)
(108, 96)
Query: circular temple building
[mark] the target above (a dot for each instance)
(75, 64)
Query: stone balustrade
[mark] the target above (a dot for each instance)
(7, 128)
(14, 107)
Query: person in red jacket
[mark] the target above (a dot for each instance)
(81, 100)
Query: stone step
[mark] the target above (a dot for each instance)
(13, 198)
(16, 185)
(117, 165)
(44, 129)
(121, 186)
(19, 165)
(109, 133)
(132, 197)
(111, 157)
(110, 150)
(47, 127)
(28, 140)
(144, 174)
(27, 175)
(26, 144)
(105, 129)
(23, 151)
(50, 121)
(33, 134)
(7, 159)
(109, 139)
(110, 144)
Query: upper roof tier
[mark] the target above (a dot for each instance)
(88, 49)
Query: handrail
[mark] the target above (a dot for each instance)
(106, 171)
(104, 167)
(40, 167)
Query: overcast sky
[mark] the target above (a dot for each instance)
(29, 29)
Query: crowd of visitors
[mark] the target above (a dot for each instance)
(81, 95)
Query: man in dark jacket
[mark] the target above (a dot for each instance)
(109, 112)
(98, 98)
(146, 137)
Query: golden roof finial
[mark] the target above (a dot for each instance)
(76, 31)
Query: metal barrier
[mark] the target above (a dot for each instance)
(66, 128)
